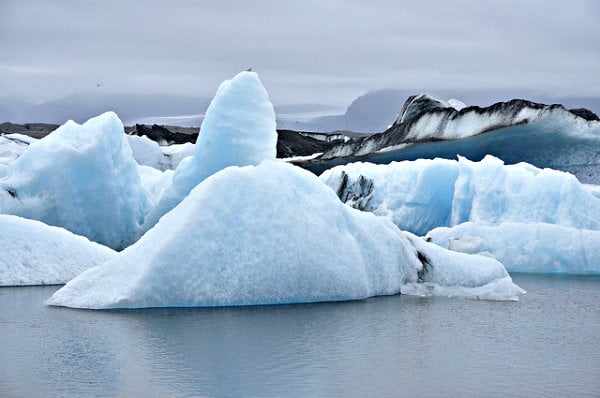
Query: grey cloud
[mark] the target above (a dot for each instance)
(305, 51)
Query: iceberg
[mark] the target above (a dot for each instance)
(82, 178)
(530, 219)
(522, 247)
(34, 253)
(156, 182)
(421, 195)
(156, 163)
(425, 118)
(238, 130)
(452, 274)
(241, 228)
(547, 136)
(272, 234)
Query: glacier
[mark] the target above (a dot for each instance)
(508, 211)
(547, 136)
(425, 118)
(34, 253)
(272, 234)
(238, 130)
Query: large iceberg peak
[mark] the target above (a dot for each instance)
(239, 129)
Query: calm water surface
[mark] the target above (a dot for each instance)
(545, 345)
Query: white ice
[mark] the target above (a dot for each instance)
(270, 234)
(523, 247)
(148, 153)
(34, 253)
(11, 147)
(448, 273)
(456, 104)
(156, 163)
(238, 130)
(424, 194)
(82, 178)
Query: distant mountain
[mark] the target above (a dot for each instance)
(369, 113)
(372, 112)
(81, 107)
(376, 110)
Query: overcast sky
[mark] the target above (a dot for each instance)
(305, 51)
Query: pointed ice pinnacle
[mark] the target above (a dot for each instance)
(239, 130)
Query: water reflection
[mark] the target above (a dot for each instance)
(546, 344)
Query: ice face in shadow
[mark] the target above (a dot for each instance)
(238, 130)
(82, 178)
(417, 196)
(265, 234)
(34, 253)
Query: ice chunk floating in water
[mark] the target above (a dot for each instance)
(424, 194)
(447, 273)
(82, 178)
(265, 234)
(522, 247)
(238, 130)
(34, 253)
(532, 220)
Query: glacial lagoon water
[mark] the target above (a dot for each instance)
(545, 345)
